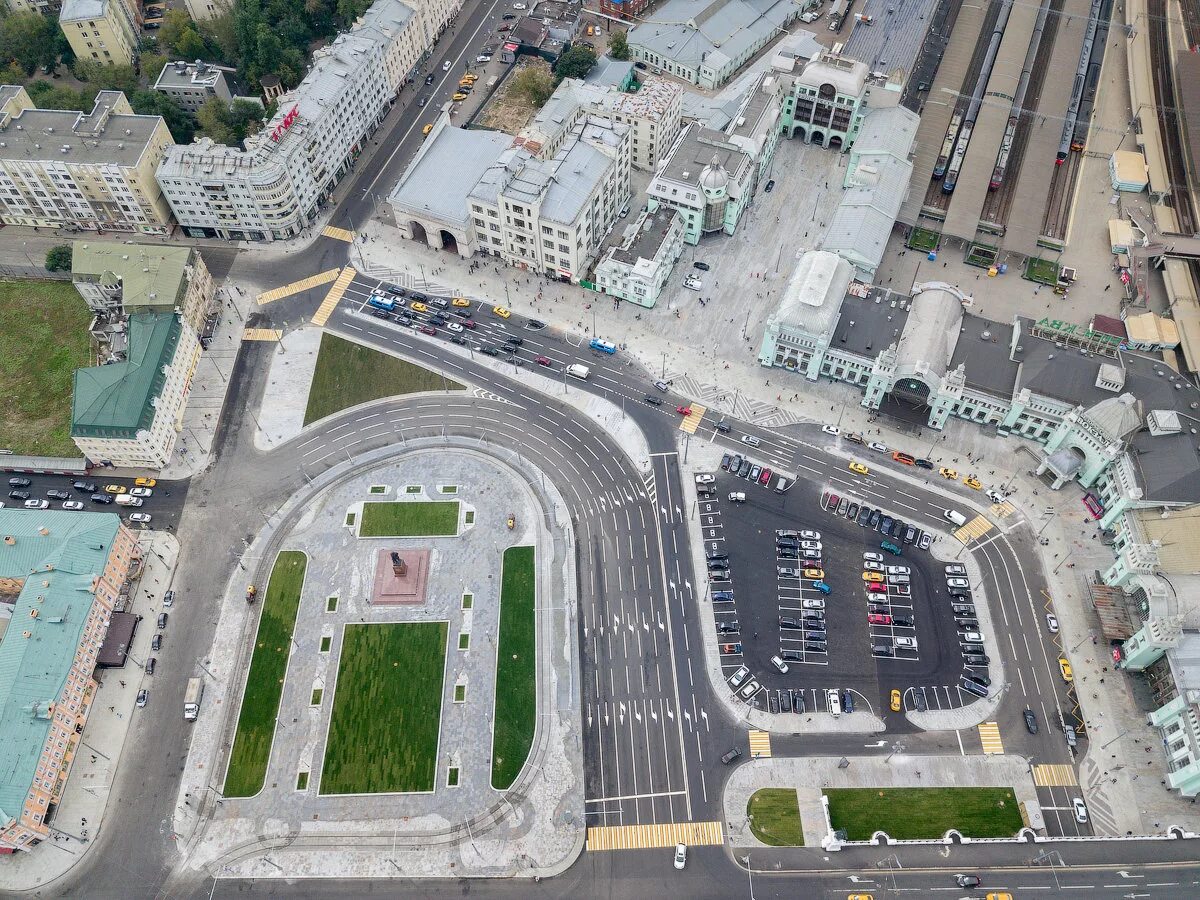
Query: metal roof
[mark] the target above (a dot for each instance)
(863, 220)
(893, 41)
(812, 298)
(56, 555)
(446, 171)
(152, 277)
(74, 138)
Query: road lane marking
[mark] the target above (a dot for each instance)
(639, 837)
(321, 316)
(297, 287)
(989, 736)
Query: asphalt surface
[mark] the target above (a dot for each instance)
(164, 505)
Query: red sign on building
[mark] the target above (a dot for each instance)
(278, 131)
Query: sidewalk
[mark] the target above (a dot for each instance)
(80, 816)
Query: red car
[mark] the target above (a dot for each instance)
(469, 324)
(834, 499)
(876, 588)
(879, 619)
(543, 361)
(428, 329)
(684, 410)
(765, 477)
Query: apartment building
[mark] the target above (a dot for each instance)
(192, 84)
(637, 269)
(45, 7)
(65, 575)
(103, 30)
(81, 171)
(277, 186)
(202, 10)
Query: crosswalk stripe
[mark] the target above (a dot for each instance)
(692, 421)
(976, 528)
(297, 287)
(989, 736)
(1000, 510)
(321, 316)
(262, 334)
(640, 837)
(340, 234)
(760, 744)
(1054, 776)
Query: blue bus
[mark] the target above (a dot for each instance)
(605, 346)
(387, 304)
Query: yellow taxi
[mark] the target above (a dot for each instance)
(814, 573)
(428, 128)
(114, 489)
(972, 482)
(859, 897)
(418, 307)
(501, 312)
(466, 81)
(1065, 668)
(460, 301)
(859, 468)
(873, 576)
(948, 473)
(145, 482)
(895, 700)
(459, 97)
(1000, 895)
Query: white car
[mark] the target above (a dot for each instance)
(814, 604)
(705, 479)
(680, 849)
(138, 517)
(779, 664)
(738, 677)
(811, 545)
(878, 447)
(831, 429)
(956, 569)
(1052, 623)
(1080, 810)
(446, 66)
(693, 284)
(482, 58)
(523, 6)
(995, 496)
(871, 566)
(809, 535)
(749, 690)
(957, 583)
(896, 570)
(455, 327)
(37, 504)
(873, 557)
(72, 504)
(142, 492)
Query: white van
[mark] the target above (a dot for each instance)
(577, 371)
(128, 500)
(834, 702)
(953, 515)
(906, 643)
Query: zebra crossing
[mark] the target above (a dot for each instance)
(639, 837)
(1054, 776)
(973, 530)
(989, 736)
(760, 744)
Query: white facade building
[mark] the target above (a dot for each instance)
(639, 267)
(276, 186)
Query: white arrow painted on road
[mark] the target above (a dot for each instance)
(661, 626)
(606, 714)
(589, 718)
(857, 880)
(671, 584)
(663, 510)
(687, 717)
(1125, 874)
(637, 713)
(670, 714)
(704, 716)
(621, 712)
(653, 713)
(876, 744)
(645, 624)
(688, 584)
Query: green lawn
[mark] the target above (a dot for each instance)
(412, 518)
(43, 340)
(264, 685)
(348, 374)
(383, 732)
(1043, 271)
(908, 814)
(516, 665)
(923, 239)
(775, 817)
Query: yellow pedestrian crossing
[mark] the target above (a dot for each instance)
(692, 420)
(989, 736)
(296, 287)
(340, 233)
(1000, 510)
(1054, 776)
(262, 334)
(974, 529)
(321, 316)
(760, 744)
(638, 837)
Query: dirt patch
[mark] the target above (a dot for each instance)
(507, 111)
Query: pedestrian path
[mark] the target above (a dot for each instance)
(340, 234)
(262, 334)
(974, 529)
(989, 736)
(692, 420)
(640, 837)
(760, 744)
(296, 287)
(1003, 510)
(1054, 776)
(321, 316)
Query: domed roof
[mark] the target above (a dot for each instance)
(713, 177)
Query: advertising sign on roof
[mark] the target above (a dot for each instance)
(278, 131)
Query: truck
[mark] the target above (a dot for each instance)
(128, 500)
(191, 700)
(837, 9)
(577, 371)
(603, 346)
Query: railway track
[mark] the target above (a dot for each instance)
(1058, 205)
(1166, 110)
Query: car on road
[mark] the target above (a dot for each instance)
(429, 79)
(890, 548)
(1052, 623)
(878, 447)
(58, 495)
(823, 588)
(692, 283)
(770, 186)
(895, 697)
(156, 642)
(86, 487)
(72, 504)
(143, 696)
(948, 473)
(957, 583)
(429, 330)
(1081, 813)
(923, 464)
(831, 429)
(1064, 667)
(967, 881)
(150, 664)
(162, 620)
(779, 664)
(729, 756)
(749, 690)
(458, 329)
(736, 679)
(37, 504)
(684, 410)
(446, 66)
(114, 489)
(859, 468)
(19, 482)
(142, 492)
(460, 302)
(146, 482)
(995, 497)
(102, 498)
(702, 266)
(680, 849)
(972, 482)
(1031, 723)
(502, 312)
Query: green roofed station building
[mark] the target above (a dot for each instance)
(65, 576)
(128, 412)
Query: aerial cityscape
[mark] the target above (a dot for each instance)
(600, 448)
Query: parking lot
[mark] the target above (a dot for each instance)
(794, 577)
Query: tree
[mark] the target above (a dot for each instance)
(151, 65)
(535, 85)
(12, 74)
(58, 259)
(101, 77)
(174, 24)
(28, 39)
(156, 103)
(575, 63)
(618, 46)
(212, 120)
(62, 97)
(190, 45)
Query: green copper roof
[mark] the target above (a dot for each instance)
(58, 567)
(152, 278)
(117, 400)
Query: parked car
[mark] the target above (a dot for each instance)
(162, 620)
(156, 642)
(143, 696)
(19, 495)
(18, 481)
(141, 492)
(779, 664)
(1052, 623)
(736, 679)
(1081, 813)
(37, 504)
